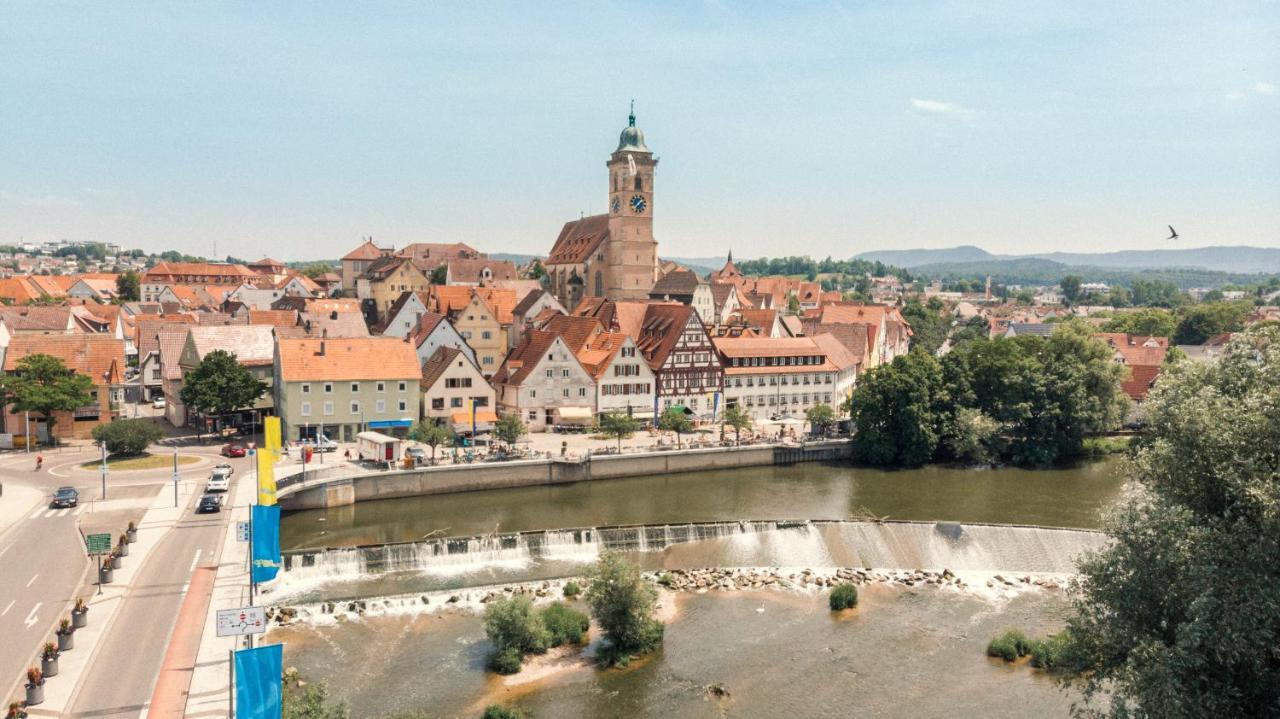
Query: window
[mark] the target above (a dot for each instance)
(564, 372)
(481, 401)
(402, 385)
(355, 407)
(436, 403)
(565, 392)
(328, 408)
(306, 388)
(550, 373)
(487, 360)
(355, 387)
(582, 391)
(455, 401)
(486, 334)
(328, 388)
(457, 382)
(533, 393)
(402, 406)
(466, 334)
(306, 409)
(533, 415)
(380, 406)
(382, 386)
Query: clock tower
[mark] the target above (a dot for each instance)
(631, 254)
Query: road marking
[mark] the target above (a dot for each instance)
(79, 510)
(185, 587)
(50, 513)
(37, 513)
(195, 560)
(32, 618)
(6, 609)
(2, 551)
(64, 512)
(33, 579)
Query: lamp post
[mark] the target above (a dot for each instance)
(104, 469)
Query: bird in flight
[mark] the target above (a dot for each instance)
(1173, 234)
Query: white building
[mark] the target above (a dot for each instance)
(784, 377)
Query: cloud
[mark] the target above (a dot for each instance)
(940, 107)
(50, 202)
(1264, 88)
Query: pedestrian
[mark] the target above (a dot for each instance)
(39, 461)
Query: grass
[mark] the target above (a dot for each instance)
(844, 596)
(1009, 646)
(1101, 446)
(146, 461)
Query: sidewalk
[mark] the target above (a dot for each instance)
(16, 503)
(161, 516)
(210, 689)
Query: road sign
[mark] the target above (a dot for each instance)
(98, 543)
(242, 531)
(245, 620)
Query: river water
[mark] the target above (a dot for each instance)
(1070, 497)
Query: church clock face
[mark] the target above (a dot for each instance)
(638, 204)
(616, 206)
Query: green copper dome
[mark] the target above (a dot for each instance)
(632, 137)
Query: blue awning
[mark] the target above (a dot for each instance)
(385, 423)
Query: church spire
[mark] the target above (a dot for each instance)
(631, 119)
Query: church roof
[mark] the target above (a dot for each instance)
(578, 239)
(632, 137)
(366, 251)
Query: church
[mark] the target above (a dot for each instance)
(614, 255)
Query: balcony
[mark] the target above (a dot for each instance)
(89, 411)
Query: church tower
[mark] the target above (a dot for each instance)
(631, 257)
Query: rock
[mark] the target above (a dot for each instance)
(717, 690)
(454, 599)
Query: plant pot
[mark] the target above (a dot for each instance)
(79, 619)
(35, 694)
(117, 562)
(106, 574)
(123, 548)
(66, 641)
(49, 666)
(132, 535)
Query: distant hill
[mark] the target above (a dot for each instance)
(1239, 259)
(1040, 271)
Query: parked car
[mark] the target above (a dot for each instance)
(419, 456)
(209, 503)
(1136, 425)
(218, 483)
(319, 444)
(233, 450)
(65, 497)
(158, 403)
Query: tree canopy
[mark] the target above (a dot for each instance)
(220, 385)
(1152, 322)
(128, 287)
(128, 436)
(433, 435)
(895, 411)
(1201, 322)
(623, 603)
(618, 425)
(1071, 288)
(674, 419)
(736, 418)
(43, 384)
(929, 322)
(509, 429)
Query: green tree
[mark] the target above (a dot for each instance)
(1071, 288)
(220, 385)
(1201, 322)
(623, 604)
(618, 425)
(673, 419)
(1178, 615)
(793, 305)
(1152, 322)
(509, 429)
(42, 384)
(439, 275)
(128, 286)
(511, 624)
(737, 418)
(433, 435)
(126, 437)
(929, 324)
(536, 270)
(821, 418)
(315, 269)
(1025, 296)
(895, 411)
(1157, 293)
(310, 701)
(973, 436)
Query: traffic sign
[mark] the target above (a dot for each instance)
(245, 620)
(242, 531)
(98, 543)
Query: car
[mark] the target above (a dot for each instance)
(1135, 426)
(209, 503)
(218, 483)
(319, 444)
(223, 469)
(158, 403)
(233, 450)
(418, 454)
(65, 497)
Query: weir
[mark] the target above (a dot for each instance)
(795, 543)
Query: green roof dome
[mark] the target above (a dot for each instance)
(632, 137)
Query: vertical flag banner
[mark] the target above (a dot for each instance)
(259, 682)
(266, 542)
(473, 417)
(271, 436)
(266, 478)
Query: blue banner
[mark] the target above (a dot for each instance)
(258, 682)
(266, 542)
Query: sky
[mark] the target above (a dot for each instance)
(294, 129)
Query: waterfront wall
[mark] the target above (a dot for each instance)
(335, 491)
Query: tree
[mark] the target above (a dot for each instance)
(623, 603)
(220, 385)
(126, 437)
(821, 418)
(929, 324)
(315, 269)
(536, 270)
(618, 425)
(973, 436)
(737, 418)
(1201, 322)
(128, 286)
(1071, 288)
(1152, 322)
(1178, 615)
(511, 623)
(433, 435)
(309, 701)
(509, 429)
(439, 275)
(674, 419)
(895, 411)
(793, 305)
(42, 384)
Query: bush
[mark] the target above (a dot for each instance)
(665, 579)
(505, 661)
(493, 711)
(1009, 646)
(564, 625)
(511, 623)
(1053, 653)
(622, 602)
(125, 437)
(844, 596)
(572, 590)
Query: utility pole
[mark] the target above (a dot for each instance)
(175, 478)
(26, 416)
(104, 469)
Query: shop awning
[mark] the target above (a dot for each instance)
(389, 423)
(574, 415)
(483, 416)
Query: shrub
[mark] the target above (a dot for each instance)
(302, 700)
(1009, 646)
(1053, 653)
(493, 711)
(511, 623)
(125, 437)
(844, 596)
(564, 625)
(572, 590)
(665, 579)
(623, 604)
(505, 661)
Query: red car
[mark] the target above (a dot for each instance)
(233, 450)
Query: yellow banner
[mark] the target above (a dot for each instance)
(271, 436)
(266, 477)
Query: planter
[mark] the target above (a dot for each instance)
(117, 562)
(49, 666)
(35, 694)
(123, 549)
(132, 535)
(79, 619)
(106, 574)
(66, 641)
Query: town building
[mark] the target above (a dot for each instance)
(385, 280)
(451, 382)
(254, 349)
(193, 273)
(776, 378)
(528, 309)
(544, 384)
(1143, 356)
(100, 357)
(355, 262)
(434, 331)
(687, 288)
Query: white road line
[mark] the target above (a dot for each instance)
(2, 551)
(50, 513)
(33, 579)
(64, 512)
(37, 513)
(32, 618)
(79, 509)
(194, 561)
(185, 587)
(10, 606)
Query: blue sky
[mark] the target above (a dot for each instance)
(293, 129)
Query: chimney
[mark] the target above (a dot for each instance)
(321, 352)
(324, 334)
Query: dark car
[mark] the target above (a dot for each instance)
(65, 497)
(209, 503)
(233, 450)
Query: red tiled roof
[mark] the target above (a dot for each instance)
(347, 358)
(578, 239)
(98, 356)
(366, 251)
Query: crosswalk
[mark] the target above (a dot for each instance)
(46, 513)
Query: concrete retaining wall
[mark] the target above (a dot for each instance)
(322, 492)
